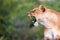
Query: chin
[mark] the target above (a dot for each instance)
(36, 24)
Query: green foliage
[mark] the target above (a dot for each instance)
(14, 22)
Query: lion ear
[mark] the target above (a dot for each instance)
(42, 8)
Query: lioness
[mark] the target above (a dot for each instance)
(50, 19)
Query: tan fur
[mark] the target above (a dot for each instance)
(51, 23)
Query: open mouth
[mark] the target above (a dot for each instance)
(33, 20)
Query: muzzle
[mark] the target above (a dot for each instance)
(33, 20)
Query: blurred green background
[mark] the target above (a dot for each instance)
(14, 21)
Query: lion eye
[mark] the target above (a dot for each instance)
(33, 11)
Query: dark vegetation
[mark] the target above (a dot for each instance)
(14, 22)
